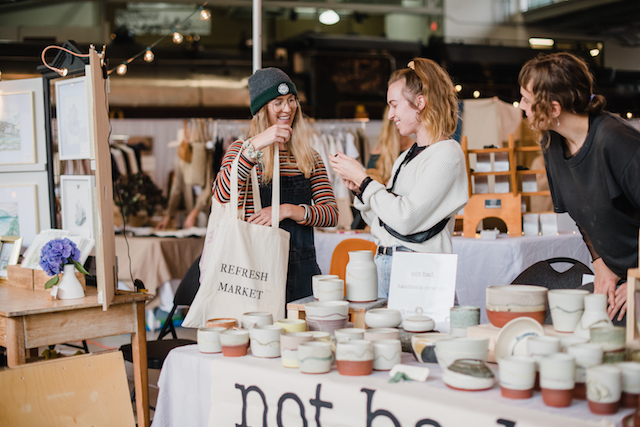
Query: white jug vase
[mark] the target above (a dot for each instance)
(69, 286)
(595, 315)
(361, 277)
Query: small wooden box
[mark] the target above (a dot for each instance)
(27, 278)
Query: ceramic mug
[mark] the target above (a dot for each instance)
(461, 317)
(292, 325)
(348, 334)
(587, 355)
(566, 306)
(265, 341)
(613, 340)
(321, 336)
(315, 279)
(234, 342)
(355, 358)
(375, 334)
(538, 347)
(289, 347)
(566, 342)
(557, 379)
(209, 339)
(386, 354)
(315, 357)
(630, 383)
(256, 318)
(604, 389)
(225, 322)
(329, 290)
(327, 316)
(517, 376)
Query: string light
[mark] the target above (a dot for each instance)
(516, 104)
(458, 88)
(205, 15)
(122, 69)
(476, 94)
(177, 38)
(148, 55)
(629, 115)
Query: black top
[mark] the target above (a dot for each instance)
(600, 188)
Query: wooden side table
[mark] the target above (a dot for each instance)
(295, 309)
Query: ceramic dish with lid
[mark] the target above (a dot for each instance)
(418, 322)
(383, 318)
(512, 338)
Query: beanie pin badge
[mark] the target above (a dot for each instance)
(283, 89)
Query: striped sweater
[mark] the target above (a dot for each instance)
(322, 213)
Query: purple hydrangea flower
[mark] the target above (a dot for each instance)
(56, 253)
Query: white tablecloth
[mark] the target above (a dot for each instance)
(481, 263)
(206, 390)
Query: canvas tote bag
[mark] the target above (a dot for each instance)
(246, 264)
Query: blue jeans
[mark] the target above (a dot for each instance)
(383, 265)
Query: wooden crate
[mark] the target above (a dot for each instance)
(27, 278)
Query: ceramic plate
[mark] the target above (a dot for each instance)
(512, 338)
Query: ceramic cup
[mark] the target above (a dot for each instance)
(538, 347)
(225, 322)
(327, 315)
(315, 357)
(517, 376)
(383, 318)
(423, 346)
(209, 339)
(386, 354)
(630, 383)
(289, 347)
(329, 289)
(448, 351)
(613, 340)
(315, 279)
(461, 317)
(348, 334)
(568, 341)
(587, 355)
(292, 325)
(375, 334)
(557, 379)
(566, 306)
(234, 342)
(265, 341)
(604, 389)
(256, 318)
(355, 358)
(321, 336)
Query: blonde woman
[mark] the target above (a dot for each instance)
(306, 196)
(414, 212)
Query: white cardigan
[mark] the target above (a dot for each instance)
(429, 188)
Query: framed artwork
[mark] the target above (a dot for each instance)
(9, 253)
(72, 109)
(77, 204)
(17, 128)
(19, 211)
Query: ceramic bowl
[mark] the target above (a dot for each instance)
(383, 318)
(505, 303)
(423, 346)
(326, 315)
(468, 375)
(512, 338)
(448, 351)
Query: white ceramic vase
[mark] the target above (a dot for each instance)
(69, 287)
(361, 277)
(595, 315)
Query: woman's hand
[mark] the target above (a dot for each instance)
(351, 185)
(164, 223)
(348, 168)
(190, 221)
(621, 302)
(278, 133)
(605, 282)
(287, 210)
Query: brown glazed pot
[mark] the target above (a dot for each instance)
(501, 318)
(604, 408)
(234, 350)
(516, 394)
(629, 400)
(557, 398)
(580, 391)
(355, 368)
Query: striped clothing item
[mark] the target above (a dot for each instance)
(322, 213)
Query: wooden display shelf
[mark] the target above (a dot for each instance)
(507, 173)
(295, 309)
(633, 285)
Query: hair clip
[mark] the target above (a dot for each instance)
(411, 65)
(593, 95)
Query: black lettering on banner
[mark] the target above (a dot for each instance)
(223, 287)
(252, 293)
(319, 404)
(252, 274)
(244, 272)
(244, 292)
(238, 290)
(427, 422)
(259, 294)
(264, 277)
(379, 412)
(298, 401)
(223, 268)
(506, 423)
(245, 392)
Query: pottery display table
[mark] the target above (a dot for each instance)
(197, 389)
(357, 310)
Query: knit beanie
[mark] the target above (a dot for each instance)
(267, 84)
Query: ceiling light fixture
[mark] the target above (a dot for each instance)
(329, 17)
(594, 52)
(541, 43)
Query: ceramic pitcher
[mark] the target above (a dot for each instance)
(595, 315)
(361, 277)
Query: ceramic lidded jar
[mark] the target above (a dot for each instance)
(361, 277)
(595, 315)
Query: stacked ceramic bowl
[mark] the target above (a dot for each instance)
(505, 303)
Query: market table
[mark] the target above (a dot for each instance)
(28, 319)
(211, 390)
(481, 262)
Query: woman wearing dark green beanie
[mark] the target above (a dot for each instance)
(306, 196)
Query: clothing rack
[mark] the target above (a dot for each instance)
(325, 125)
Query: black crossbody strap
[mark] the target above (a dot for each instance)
(420, 237)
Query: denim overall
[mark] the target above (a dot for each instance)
(302, 253)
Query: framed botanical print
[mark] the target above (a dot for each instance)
(72, 109)
(77, 204)
(9, 253)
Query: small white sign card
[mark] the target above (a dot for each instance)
(424, 280)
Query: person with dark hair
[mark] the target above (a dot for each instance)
(306, 196)
(592, 159)
(414, 211)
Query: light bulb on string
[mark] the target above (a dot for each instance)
(148, 55)
(177, 38)
(122, 69)
(205, 15)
